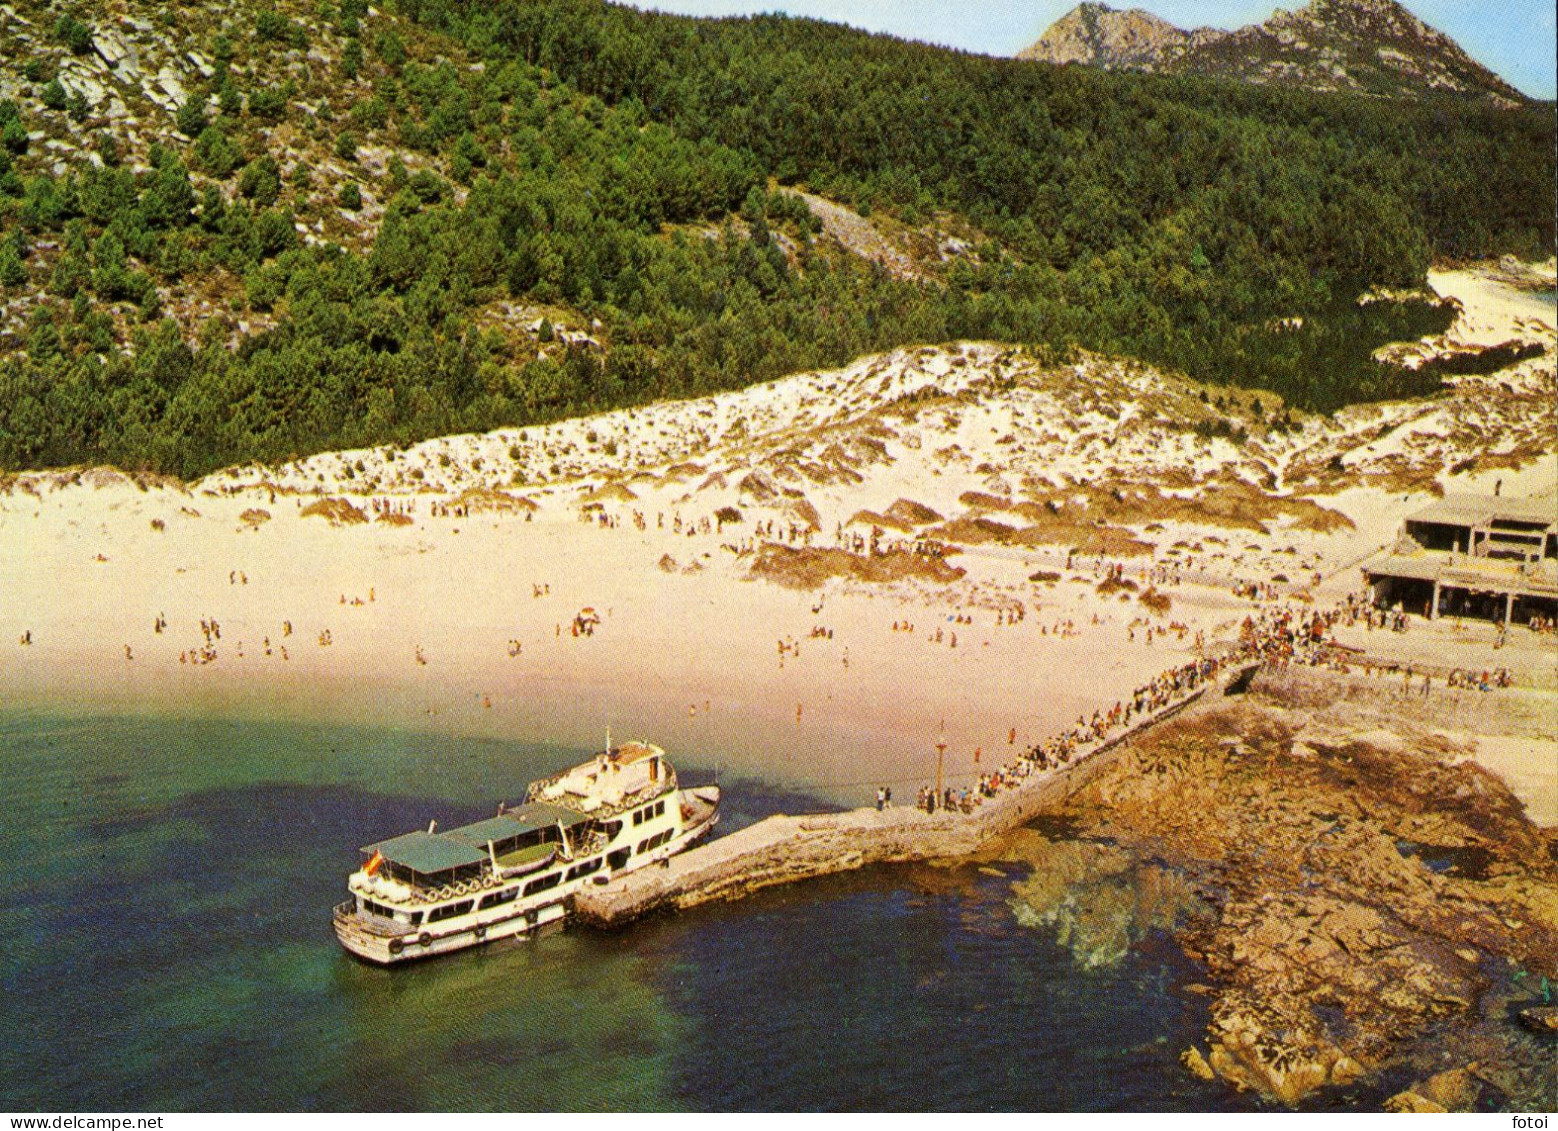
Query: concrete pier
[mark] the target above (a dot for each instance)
(784, 849)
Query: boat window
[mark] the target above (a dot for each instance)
(659, 808)
(378, 909)
(416, 918)
(494, 899)
(584, 869)
(655, 841)
(547, 881)
(450, 910)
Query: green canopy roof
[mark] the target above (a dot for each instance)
(517, 822)
(429, 852)
(465, 846)
(540, 814)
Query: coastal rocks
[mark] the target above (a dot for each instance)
(1413, 1104)
(1459, 1089)
(1540, 1018)
(1357, 890)
(1256, 1047)
(1196, 1064)
(1345, 1070)
(1455, 1090)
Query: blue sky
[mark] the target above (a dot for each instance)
(1516, 38)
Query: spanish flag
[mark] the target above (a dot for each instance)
(374, 863)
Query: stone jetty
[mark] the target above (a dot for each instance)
(785, 849)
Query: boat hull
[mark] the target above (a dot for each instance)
(386, 949)
(370, 940)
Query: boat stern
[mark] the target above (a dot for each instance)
(354, 933)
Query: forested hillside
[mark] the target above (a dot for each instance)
(251, 232)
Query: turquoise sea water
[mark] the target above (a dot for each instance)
(166, 925)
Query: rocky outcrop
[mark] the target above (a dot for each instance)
(1540, 1018)
(1354, 901)
(1097, 35)
(1361, 46)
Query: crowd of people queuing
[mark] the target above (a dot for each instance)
(1277, 636)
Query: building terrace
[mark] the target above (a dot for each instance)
(1474, 555)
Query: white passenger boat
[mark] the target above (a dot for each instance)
(433, 892)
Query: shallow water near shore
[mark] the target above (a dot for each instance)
(169, 883)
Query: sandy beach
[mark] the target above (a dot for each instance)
(701, 573)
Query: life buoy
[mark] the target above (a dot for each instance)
(424, 939)
(396, 946)
(480, 932)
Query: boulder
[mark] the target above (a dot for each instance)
(1540, 1018)
(1196, 1064)
(1346, 1070)
(1455, 1090)
(1412, 1103)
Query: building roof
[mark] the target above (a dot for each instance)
(1482, 575)
(1422, 569)
(1479, 510)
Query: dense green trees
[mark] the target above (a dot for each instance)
(615, 167)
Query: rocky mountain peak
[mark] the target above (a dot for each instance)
(1376, 47)
(1098, 35)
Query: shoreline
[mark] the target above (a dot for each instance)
(466, 615)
